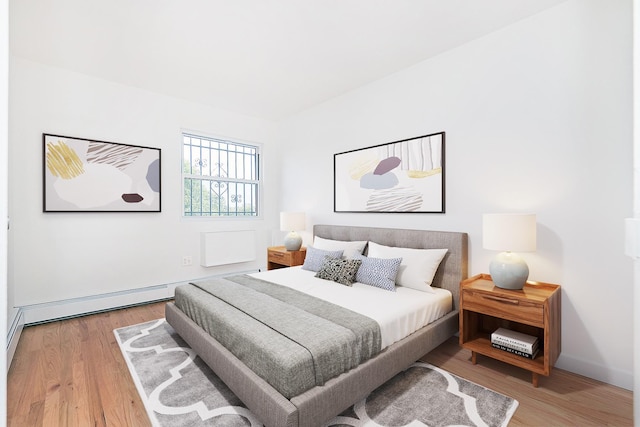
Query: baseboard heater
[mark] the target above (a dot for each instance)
(76, 307)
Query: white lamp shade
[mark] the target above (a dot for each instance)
(509, 232)
(292, 221)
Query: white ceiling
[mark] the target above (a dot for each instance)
(264, 58)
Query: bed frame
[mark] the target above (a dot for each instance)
(321, 403)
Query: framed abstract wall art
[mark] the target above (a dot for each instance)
(400, 176)
(85, 175)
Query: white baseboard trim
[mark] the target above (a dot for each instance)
(13, 336)
(57, 310)
(605, 374)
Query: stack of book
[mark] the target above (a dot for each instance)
(515, 342)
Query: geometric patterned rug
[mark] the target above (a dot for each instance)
(179, 389)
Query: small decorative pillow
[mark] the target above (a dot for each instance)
(314, 258)
(378, 272)
(418, 266)
(350, 248)
(342, 271)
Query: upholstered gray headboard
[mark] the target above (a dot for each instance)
(453, 267)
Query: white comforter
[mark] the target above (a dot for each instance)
(399, 313)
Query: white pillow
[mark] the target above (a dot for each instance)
(349, 248)
(418, 266)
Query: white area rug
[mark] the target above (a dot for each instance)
(178, 389)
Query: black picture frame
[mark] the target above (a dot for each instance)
(405, 176)
(88, 175)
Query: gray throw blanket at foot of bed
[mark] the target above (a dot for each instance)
(292, 340)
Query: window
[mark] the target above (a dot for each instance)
(221, 177)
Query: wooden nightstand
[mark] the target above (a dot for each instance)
(278, 257)
(534, 310)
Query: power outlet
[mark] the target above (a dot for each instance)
(187, 261)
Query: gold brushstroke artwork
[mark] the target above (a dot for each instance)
(63, 162)
(423, 174)
(363, 165)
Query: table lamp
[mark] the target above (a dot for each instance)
(292, 222)
(509, 233)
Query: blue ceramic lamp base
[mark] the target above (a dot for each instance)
(293, 241)
(509, 271)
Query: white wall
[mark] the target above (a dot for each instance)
(4, 144)
(632, 238)
(537, 119)
(60, 256)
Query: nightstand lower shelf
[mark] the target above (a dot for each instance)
(483, 346)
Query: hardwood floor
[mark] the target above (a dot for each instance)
(71, 373)
(562, 398)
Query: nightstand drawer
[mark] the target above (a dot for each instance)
(504, 307)
(279, 257)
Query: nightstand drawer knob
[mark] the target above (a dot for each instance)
(502, 299)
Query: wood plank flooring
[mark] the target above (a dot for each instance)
(561, 399)
(71, 373)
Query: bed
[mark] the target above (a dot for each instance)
(318, 404)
